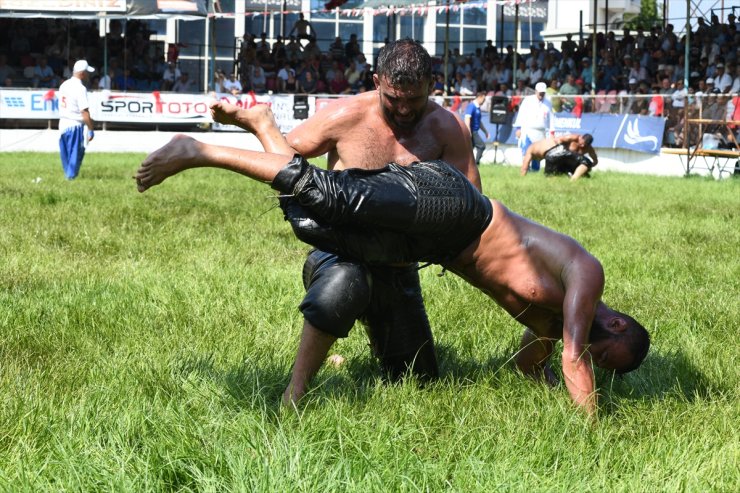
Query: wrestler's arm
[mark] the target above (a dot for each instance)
(583, 280)
(592, 154)
(457, 151)
(318, 135)
(525, 161)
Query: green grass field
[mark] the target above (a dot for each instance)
(146, 339)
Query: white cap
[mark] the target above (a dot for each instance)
(710, 81)
(540, 87)
(633, 81)
(82, 66)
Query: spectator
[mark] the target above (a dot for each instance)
(311, 49)
(302, 27)
(290, 85)
(293, 49)
(233, 86)
(366, 82)
(353, 75)
(637, 72)
(489, 76)
(568, 47)
(735, 89)
(183, 84)
(43, 75)
(722, 80)
(352, 48)
(279, 54)
(489, 52)
(106, 82)
(283, 75)
(218, 82)
(307, 84)
(336, 50)
(585, 74)
(678, 96)
(169, 76)
(535, 73)
(552, 94)
(468, 86)
(503, 90)
(125, 82)
(339, 85)
(7, 73)
(550, 70)
(258, 81)
(439, 89)
(457, 84)
(610, 75)
(522, 72)
(504, 73)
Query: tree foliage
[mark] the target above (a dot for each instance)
(647, 18)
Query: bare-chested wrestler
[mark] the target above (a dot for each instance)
(563, 155)
(430, 212)
(395, 123)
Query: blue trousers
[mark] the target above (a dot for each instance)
(72, 150)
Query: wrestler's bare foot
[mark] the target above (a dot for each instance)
(177, 155)
(256, 119)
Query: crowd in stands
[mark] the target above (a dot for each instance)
(39, 53)
(639, 72)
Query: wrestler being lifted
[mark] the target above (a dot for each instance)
(428, 211)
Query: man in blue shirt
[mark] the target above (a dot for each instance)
(472, 121)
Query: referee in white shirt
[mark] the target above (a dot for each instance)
(74, 116)
(535, 120)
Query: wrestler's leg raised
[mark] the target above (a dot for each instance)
(258, 120)
(183, 153)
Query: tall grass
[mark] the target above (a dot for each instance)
(145, 341)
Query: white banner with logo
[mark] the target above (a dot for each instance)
(65, 6)
(146, 108)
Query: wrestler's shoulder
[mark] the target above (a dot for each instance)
(441, 121)
(348, 111)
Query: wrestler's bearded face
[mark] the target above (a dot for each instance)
(403, 106)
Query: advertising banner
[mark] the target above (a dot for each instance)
(65, 6)
(146, 108)
(634, 132)
(104, 8)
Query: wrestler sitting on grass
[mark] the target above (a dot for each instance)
(430, 212)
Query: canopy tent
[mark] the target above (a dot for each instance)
(100, 9)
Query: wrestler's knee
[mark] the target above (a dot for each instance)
(337, 292)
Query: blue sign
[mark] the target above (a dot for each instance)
(635, 132)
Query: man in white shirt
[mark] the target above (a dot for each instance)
(534, 120)
(232, 85)
(74, 115)
(722, 80)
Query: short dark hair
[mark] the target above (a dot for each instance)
(636, 337)
(404, 62)
(588, 139)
